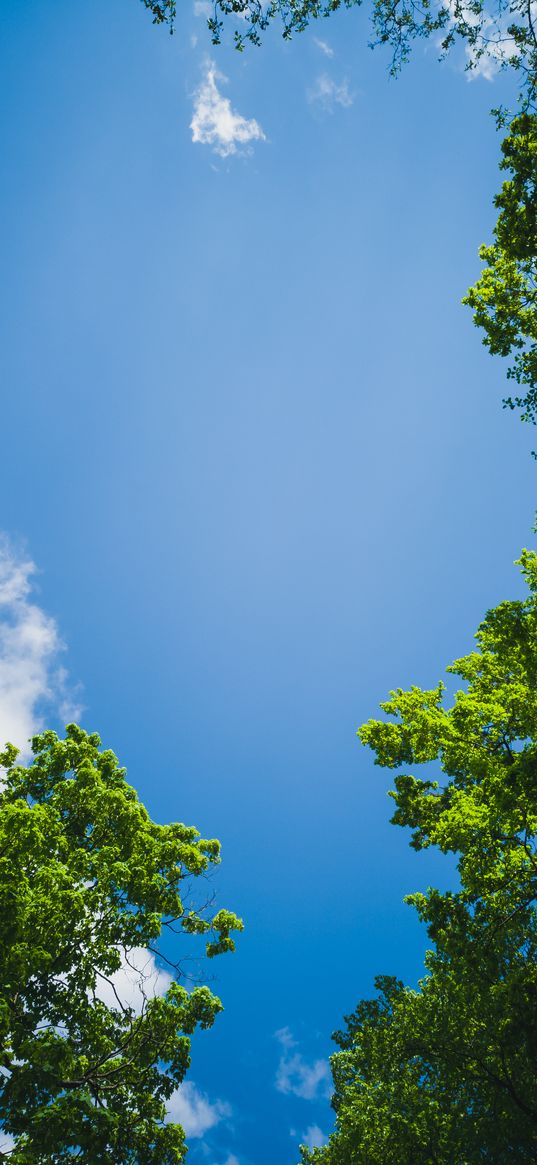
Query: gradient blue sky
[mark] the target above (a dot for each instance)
(256, 450)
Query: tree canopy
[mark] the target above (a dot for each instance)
(86, 879)
(504, 299)
(502, 30)
(446, 1074)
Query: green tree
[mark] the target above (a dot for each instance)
(86, 879)
(504, 299)
(446, 1074)
(503, 30)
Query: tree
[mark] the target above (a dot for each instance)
(502, 30)
(504, 298)
(446, 1074)
(86, 880)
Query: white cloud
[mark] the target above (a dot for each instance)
(324, 47)
(295, 1074)
(487, 66)
(214, 122)
(139, 978)
(285, 1037)
(327, 93)
(202, 8)
(194, 1111)
(314, 1137)
(7, 1142)
(494, 44)
(31, 678)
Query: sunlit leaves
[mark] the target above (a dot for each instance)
(86, 878)
(445, 1075)
(504, 299)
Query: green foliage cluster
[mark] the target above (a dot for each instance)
(504, 299)
(447, 1074)
(501, 29)
(162, 11)
(86, 877)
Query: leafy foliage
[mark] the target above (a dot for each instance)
(446, 1074)
(86, 877)
(162, 11)
(504, 298)
(501, 30)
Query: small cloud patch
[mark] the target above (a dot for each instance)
(285, 1037)
(327, 93)
(309, 1079)
(216, 124)
(193, 1110)
(32, 680)
(314, 1137)
(324, 48)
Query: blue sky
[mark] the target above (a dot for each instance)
(255, 448)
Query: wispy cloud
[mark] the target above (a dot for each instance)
(138, 979)
(327, 93)
(32, 680)
(494, 44)
(285, 1037)
(487, 65)
(215, 123)
(314, 1137)
(297, 1075)
(324, 47)
(194, 1111)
